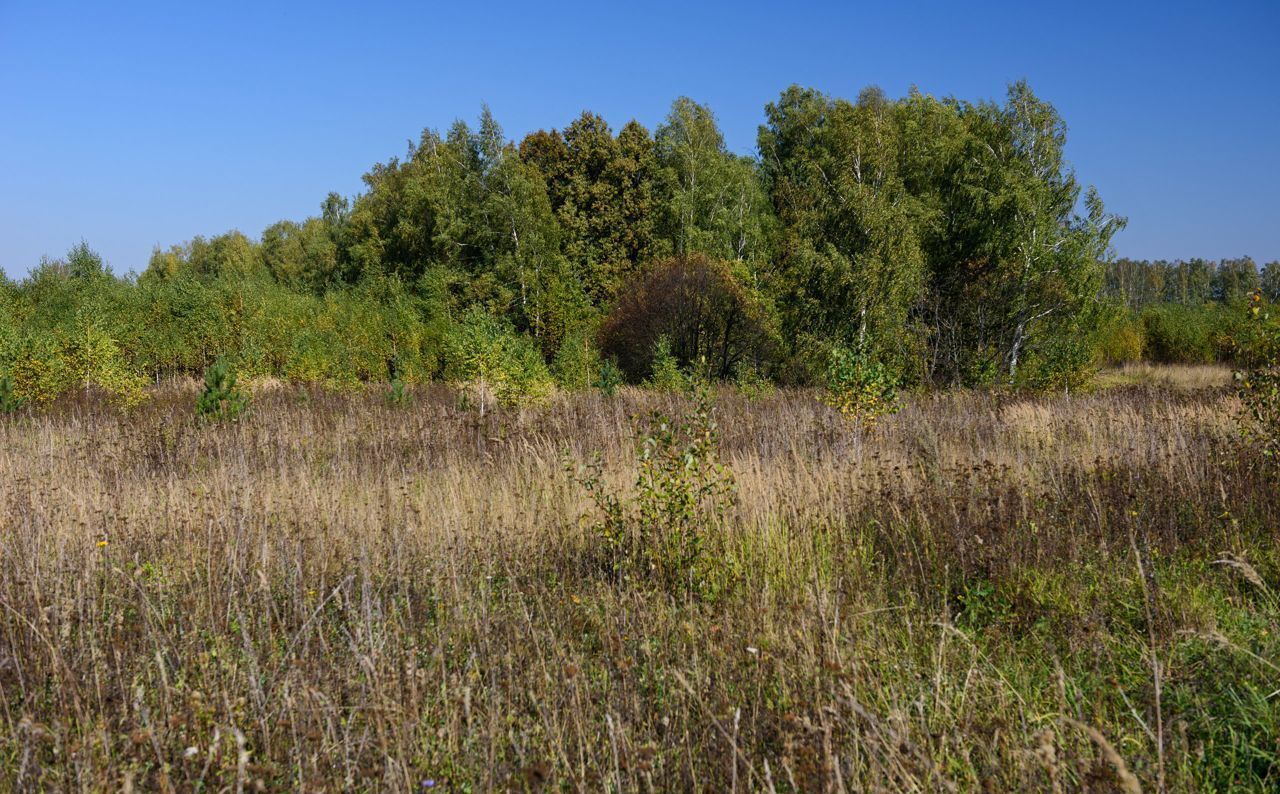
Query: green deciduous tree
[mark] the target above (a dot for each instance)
(715, 203)
(604, 193)
(851, 268)
(1022, 269)
(1269, 281)
(303, 256)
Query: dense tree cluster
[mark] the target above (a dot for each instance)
(1193, 282)
(941, 240)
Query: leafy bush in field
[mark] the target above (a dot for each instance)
(44, 366)
(702, 309)
(1259, 381)
(660, 532)
(1121, 340)
(35, 370)
(577, 361)
(397, 393)
(750, 381)
(666, 374)
(482, 350)
(93, 358)
(221, 400)
(1063, 360)
(608, 378)
(860, 389)
(1177, 334)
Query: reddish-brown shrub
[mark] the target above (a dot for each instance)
(703, 309)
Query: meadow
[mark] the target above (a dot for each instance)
(986, 591)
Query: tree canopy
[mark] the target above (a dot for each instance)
(942, 240)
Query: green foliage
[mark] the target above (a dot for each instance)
(1178, 334)
(603, 192)
(1259, 383)
(1121, 339)
(666, 374)
(397, 394)
(1140, 283)
(83, 263)
(703, 308)
(750, 381)
(577, 361)
(10, 402)
(715, 203)
(860, 388)
(660, 533)
(947, 241)
(303, 256)
(484, 352)
(1066, 359)
(608, 378)
(1269, 281)
(852, 260)
(89, 357)
(221, 400)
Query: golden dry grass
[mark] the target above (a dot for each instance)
(339, 594)
(1176, 376)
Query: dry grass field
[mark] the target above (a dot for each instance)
(984, 593)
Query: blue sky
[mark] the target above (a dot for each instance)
(133, 125)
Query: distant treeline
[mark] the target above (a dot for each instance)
(940, 241)
(1185, 311)
(1138, 283)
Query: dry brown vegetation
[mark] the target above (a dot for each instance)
(986, 592)
(1176, 376)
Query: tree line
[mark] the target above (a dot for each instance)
(1139, 283)
(938, 240)
(1182, 311)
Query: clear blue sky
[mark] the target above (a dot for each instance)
(133, 125)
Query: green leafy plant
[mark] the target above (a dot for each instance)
(10, 402)
(660, 532)
(90, 357)
(397, 394)
(859, 388)
(609, 378)
(1259, 381)
(221, 399)
(483, 354)
(575, 361)
(750, 381)
(666, 375)
(1120, 339)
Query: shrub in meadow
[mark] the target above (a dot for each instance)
(660, 532)
(1259, 378)
(751, 382)
(666, 375)
(484, 354)
(859, 388)
(575, 362)
(608, 378)
(221, 399)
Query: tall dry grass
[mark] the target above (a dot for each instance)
(340, 594)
